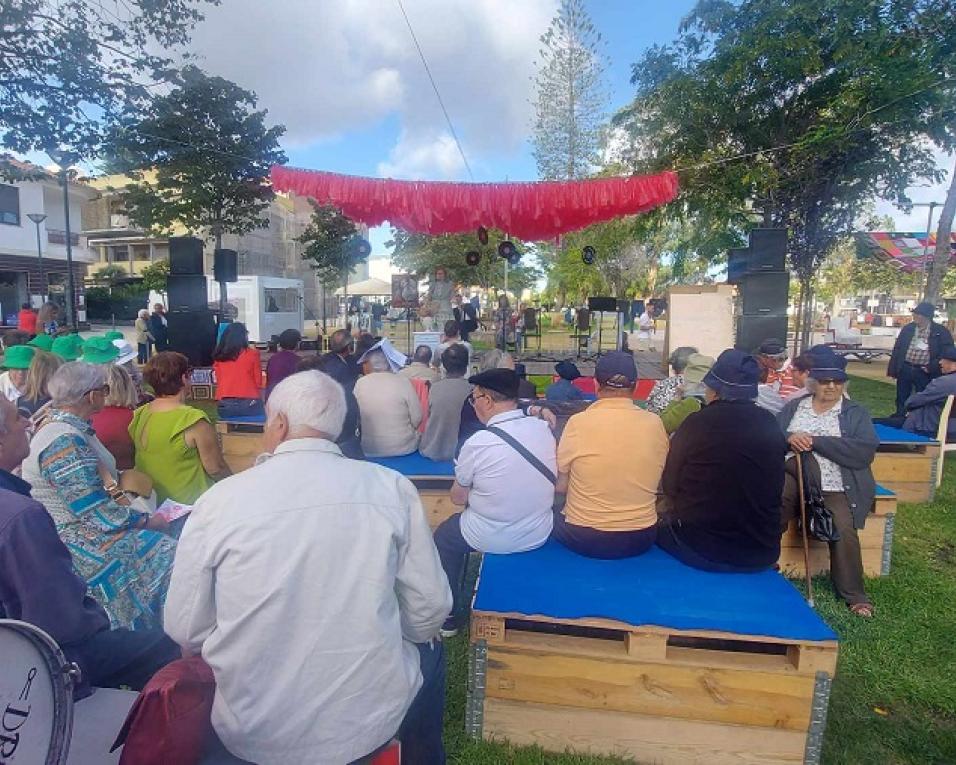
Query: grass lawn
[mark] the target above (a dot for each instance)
(894, 696)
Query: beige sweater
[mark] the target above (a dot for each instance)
(390, 412)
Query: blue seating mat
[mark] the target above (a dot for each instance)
(886, 434)
(882, 491)
(257, 420)
(651, 589)
(416, 464)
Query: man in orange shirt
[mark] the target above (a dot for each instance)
(610, 462)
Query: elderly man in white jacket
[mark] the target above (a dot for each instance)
(311, 585)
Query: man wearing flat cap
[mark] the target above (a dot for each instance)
(915, 358)
(504, 479)
(924, 409)
(724, 476)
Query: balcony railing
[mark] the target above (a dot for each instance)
(56, 236)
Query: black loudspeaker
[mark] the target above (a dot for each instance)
(583, 320)
(608, 304)
(530, 320)
(637, 308)
(187, 292)
(753, 330)
(588, 255)
(737, 259)
(768, 250)
(766, 294)
(473, 257)
(185, 255)
(509, 252)
(226, 265)
(193, 334)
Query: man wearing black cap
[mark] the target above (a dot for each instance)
(724, 476)
(504, 478)
(915, 358)
(924, 409)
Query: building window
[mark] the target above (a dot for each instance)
(281, 300)
(10, 205)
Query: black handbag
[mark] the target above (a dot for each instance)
(820, 523)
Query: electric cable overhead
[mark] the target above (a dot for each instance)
(431, 79)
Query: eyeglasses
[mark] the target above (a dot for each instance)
(104, 389)
(472, 398)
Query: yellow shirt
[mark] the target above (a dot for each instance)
(614, 453)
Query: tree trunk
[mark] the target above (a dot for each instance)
(943, 249)
(798, 319)
(807, 316)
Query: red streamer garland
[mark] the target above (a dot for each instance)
(529, 211)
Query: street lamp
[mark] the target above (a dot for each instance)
(929, 228)
(38, 218)
(64, 158)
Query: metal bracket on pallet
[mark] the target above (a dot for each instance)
(475, 701)
(887, 545)
(818, 718)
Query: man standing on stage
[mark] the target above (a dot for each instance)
(466, 315)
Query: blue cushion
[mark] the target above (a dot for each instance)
(651, 589)
(416, 464)
(886, 434)
(882, 491)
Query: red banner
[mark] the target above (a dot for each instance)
(529, 211)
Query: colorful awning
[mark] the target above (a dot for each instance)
(530, 211)
(901, 249)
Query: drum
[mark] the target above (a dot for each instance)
(36, 696)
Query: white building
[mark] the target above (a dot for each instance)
(21, 259)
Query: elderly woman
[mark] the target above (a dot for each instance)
(175, 444)
(116, 549)
(668, 389)
(143, 336)
(836, 438)
(111, 423)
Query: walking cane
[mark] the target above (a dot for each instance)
(803, 527)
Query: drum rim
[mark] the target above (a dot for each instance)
(62, 683)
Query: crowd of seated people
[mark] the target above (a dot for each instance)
(320, 611)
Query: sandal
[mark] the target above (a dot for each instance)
(863, 610)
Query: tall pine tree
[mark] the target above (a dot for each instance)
(571, 95)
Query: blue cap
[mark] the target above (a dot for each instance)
(925, 309)
(827, 365)
(616, 370)
(567, 369)
(734, 375)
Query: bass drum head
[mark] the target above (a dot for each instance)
(36, 696)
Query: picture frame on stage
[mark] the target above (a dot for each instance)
(405, 291)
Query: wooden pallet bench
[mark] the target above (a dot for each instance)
(241, 442)
(876, 542)
(598, 685)
(905, 463)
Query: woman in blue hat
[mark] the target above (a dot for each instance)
(836, 439)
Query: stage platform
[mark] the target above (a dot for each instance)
(646, 659)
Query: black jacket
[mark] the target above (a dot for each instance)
(466, 316)
(724, 479)
(939, 338)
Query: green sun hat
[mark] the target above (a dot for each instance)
(99, 350)
(68, 347)
(114, 334)
(19, 356)
(43, 342)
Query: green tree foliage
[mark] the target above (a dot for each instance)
(155, 276)
(422, 254)
(571, 95)
(794, 113)
(201, 159)
(327, 241)
(109, 275)
(68, 67)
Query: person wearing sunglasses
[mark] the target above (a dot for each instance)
(837, 441)
(116, 548)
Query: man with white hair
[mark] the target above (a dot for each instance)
(389, 406)
(316, 609)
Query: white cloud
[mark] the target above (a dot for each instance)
(324, 69)
(916, 219)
